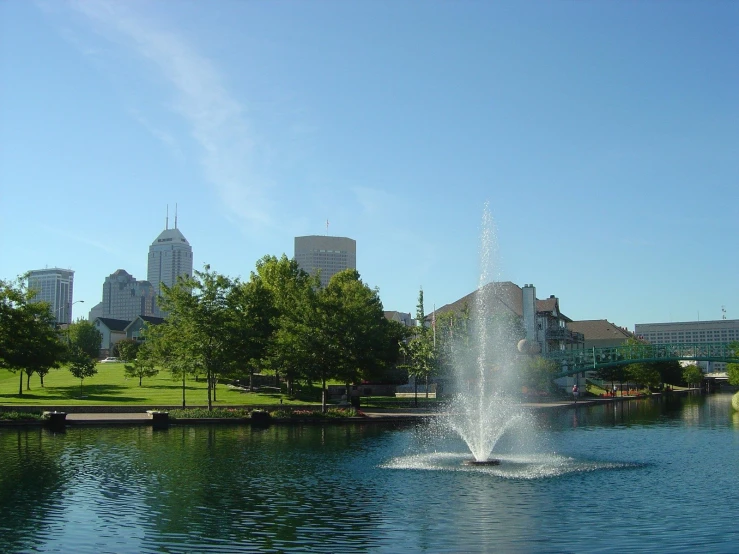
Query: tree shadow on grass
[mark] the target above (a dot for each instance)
(170, 387)
(89, 393)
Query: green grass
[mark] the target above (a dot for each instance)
(110, 387)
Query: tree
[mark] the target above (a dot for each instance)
(692, 374)
(28, 339)
(362, 341)
(539, 373)
(293, 294)
(81, 364)
(196, 329)
(83, 335)
(140, 368)
(251, 325)
(419, 353)
(644, 374)
(127, 349)
(732, 370)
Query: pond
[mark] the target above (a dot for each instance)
(627, 476)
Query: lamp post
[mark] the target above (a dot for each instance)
(69, 306)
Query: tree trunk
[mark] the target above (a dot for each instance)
(20, 386)
(427, 387)
(42, 379)
(183, 388)
(415, 391)
(215, 382)
(140, 378)
(28, 381)
(323, 395)
(251, 379)
(210, 400)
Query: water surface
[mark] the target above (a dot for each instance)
(634, 476)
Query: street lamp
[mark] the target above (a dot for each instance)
(60, 308)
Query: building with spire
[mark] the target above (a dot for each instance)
(170, 256)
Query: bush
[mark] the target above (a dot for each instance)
(203, 413)
(20, 416)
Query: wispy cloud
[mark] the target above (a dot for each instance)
(160, 134)
(81, 239)
(213, 115)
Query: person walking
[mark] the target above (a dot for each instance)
(575, 392)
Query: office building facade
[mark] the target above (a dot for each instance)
(56, 287)
(170, 256)
(693, 332)
(325, 255)
(125, 298)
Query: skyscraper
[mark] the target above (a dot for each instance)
(329, 255)
(170, 256)
(125, 298)
(56, 287)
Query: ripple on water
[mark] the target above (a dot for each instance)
(530, 466)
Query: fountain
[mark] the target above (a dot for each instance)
(484, 407)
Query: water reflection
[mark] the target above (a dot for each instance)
(374, 487)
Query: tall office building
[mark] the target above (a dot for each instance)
(170, 256)
(125, 298)
(329, 255)
(54, 286)
(693, 332)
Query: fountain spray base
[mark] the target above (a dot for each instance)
(492, 462)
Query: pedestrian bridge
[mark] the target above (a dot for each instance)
(577, 361)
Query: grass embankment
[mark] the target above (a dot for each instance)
(110, 387)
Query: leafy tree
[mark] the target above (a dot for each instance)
(83, 336)
(692, 374)
(140, 368)
(644, 374)
(251, 325)
(293, 293)
(670, 371)
(732, 370)
(538, 374)
(127, 349)
(196, 329)
(161, 347)
(419, 352)
(613, 374)
(81, 365)
(362, 338)
(28, 339)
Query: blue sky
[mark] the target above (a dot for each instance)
(603, 135)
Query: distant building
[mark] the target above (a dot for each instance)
(135, 329)
(600, 333)
(112, 331)
(125, 298)
(170, 256)
(327, 255)
(401, 317)
(692, 332)
(55, 286)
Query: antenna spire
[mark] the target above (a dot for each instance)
(166, 221)
(175, 215)
(327, 227)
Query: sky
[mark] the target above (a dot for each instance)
(603, 137)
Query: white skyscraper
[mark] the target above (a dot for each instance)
(170, 256)
(56, 287)
(329, 255)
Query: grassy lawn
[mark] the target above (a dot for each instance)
(110, 387)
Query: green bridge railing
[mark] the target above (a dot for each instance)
(577, 361)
